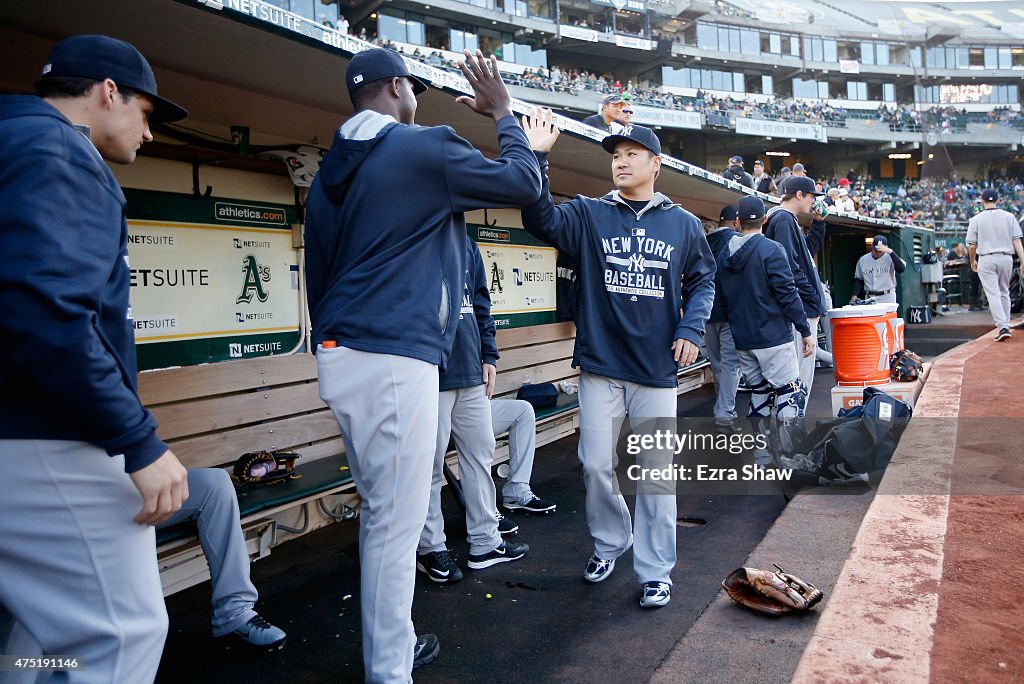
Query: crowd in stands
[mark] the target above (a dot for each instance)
(929, 202)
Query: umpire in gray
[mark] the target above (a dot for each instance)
(993, 235)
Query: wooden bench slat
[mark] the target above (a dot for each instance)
(220, 413)
(225, 447)
(193, 382)
(535, 334)
(540, 353)
(547, 372)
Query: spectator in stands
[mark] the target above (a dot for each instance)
(736, 173)
(844, 202)
(785, 173)
(798, 170)
(762, 181)
(343, 25)
(627, 114)
(611, 112)
(76, 569)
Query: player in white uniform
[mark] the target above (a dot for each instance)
(993, 235)
(876, 271)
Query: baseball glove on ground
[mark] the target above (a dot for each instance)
(260, 468)
(771, 593)
(905, 366)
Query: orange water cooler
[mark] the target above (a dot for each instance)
(863, 339)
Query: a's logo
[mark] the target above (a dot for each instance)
(235, 350)
(496, 275)
(252, 283)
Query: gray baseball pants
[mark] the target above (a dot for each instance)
(386, 407)
(602, 401)
(75, 571)
(995, 270)
(516, 417)
(806, 363)
(465, 414)
(725, 367)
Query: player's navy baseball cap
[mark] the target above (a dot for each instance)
(736, 159)
(638, 134)
(377, 63)
(879, 240)
(750, 209)
(989, 195)
(728, 215)
(801, 184)
(101, 57)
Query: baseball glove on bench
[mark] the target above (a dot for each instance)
(771, 593)
(260, 468)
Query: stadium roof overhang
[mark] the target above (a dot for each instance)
(286, 82)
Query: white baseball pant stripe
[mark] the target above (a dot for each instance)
(386, 407)
(602, 401)
(465, 414)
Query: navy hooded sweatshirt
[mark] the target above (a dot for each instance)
(474, 334)
(67, 347)
(635, 271)
(385, 230)
(782, 227)
(759, 295)
(718, 239)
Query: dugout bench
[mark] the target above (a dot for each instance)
(211, 414)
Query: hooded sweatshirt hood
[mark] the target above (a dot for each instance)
(741, 248)
(352, 144)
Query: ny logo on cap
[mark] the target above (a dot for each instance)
(47, 69)
(627, 130)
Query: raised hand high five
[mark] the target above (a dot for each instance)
(490, 96)
(541, 133)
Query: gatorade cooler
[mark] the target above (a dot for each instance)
(862, 342)
(896, 330)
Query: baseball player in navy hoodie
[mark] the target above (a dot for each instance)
(725, 365)
(641, 259)
(760, 299)
(384, 282)
(464, 410)
(783, 228)
(80, 452)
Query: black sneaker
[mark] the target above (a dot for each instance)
(729, 428)
(426, 649)
(505, 552)
(1004, 334)
(439, 566)
(506, 526)
(530, 504)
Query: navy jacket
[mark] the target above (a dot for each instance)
(759, 295)
(67, 347)
(634, 272)
(782, 227)
(718, 240)
(474, 334)
(385, 231)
